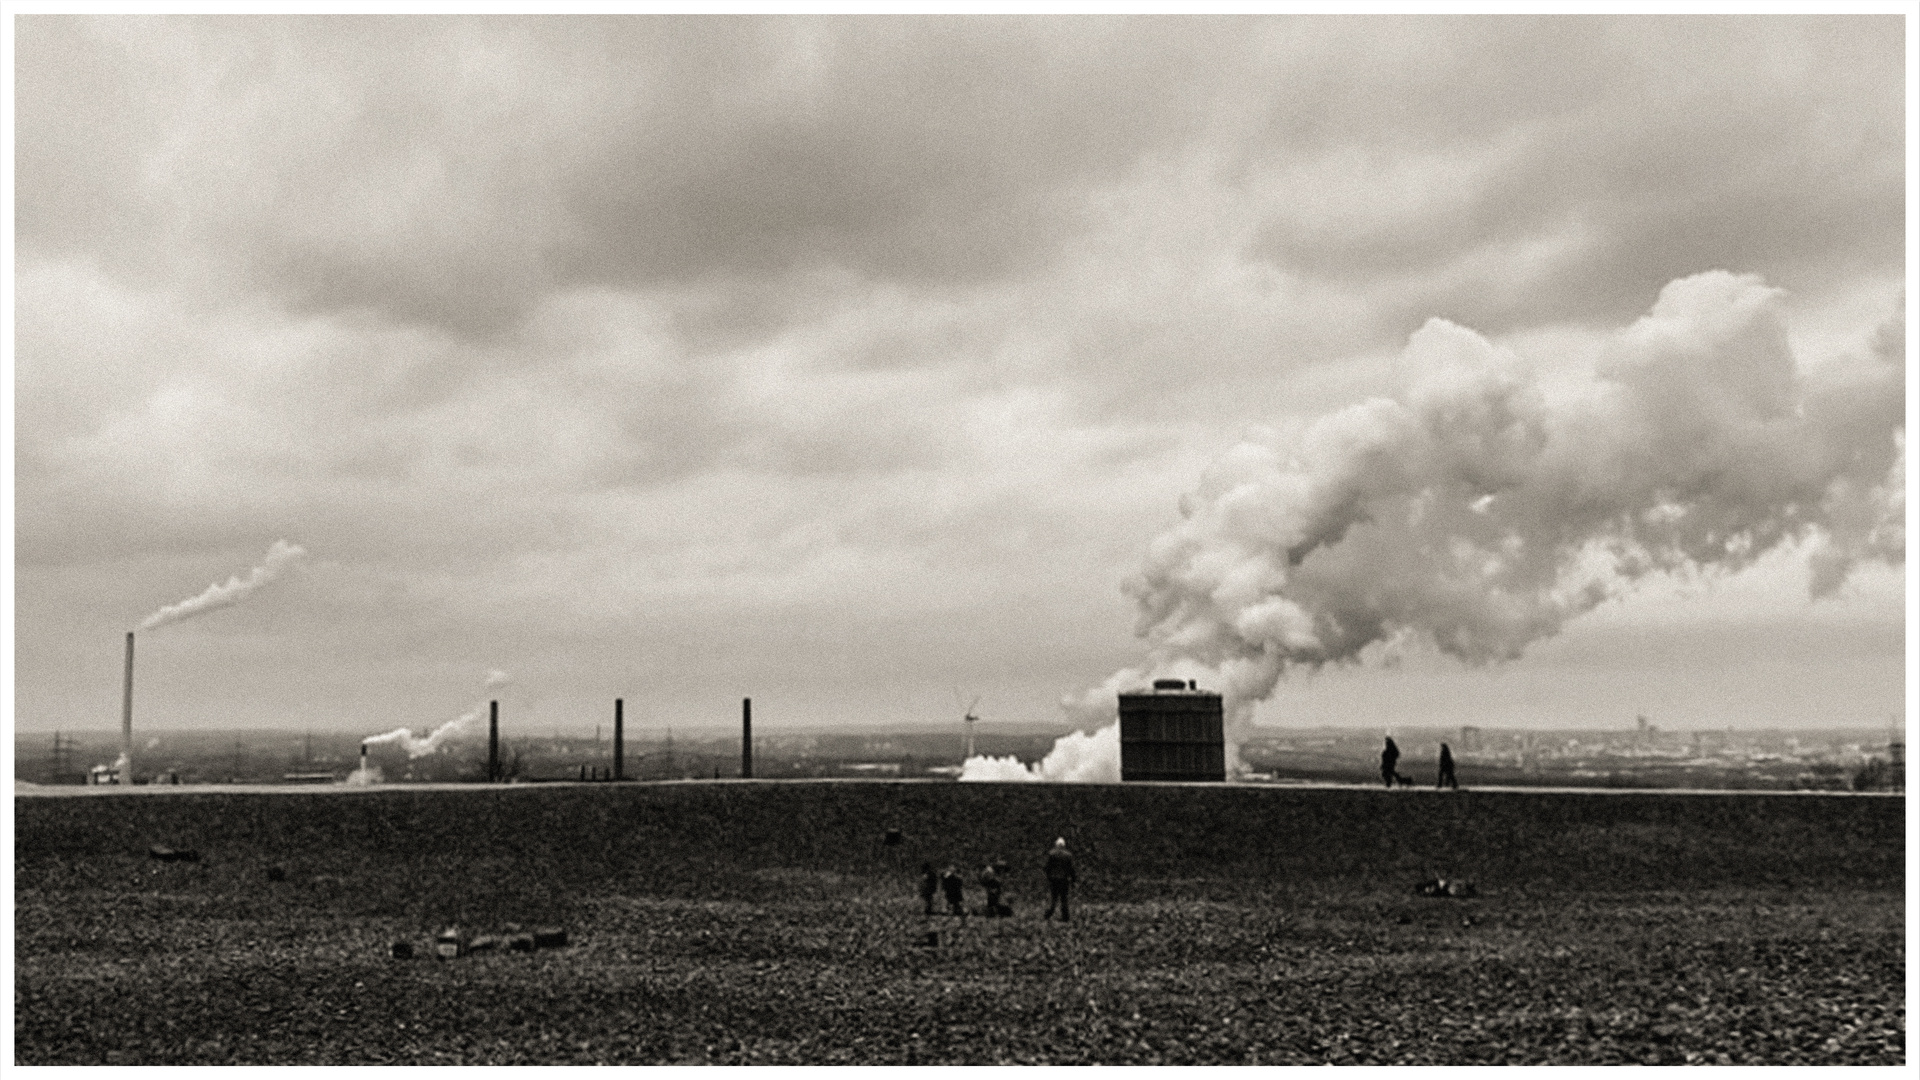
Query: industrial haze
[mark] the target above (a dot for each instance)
(1651, 758)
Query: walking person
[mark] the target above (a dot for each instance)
(1446, 770)
(1389, 762)
(1060, 878)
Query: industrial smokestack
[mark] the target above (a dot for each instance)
(619, 740)
(493, 741)
(126, 714)
(746, 738)
(419, 747)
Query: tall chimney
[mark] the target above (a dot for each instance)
(746, 738)
(126, 713)
(619, 740)
(493, 741)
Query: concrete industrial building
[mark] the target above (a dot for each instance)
(1176, 731)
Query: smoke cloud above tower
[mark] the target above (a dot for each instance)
(1486, 505)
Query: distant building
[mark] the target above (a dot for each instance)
(1174, 731)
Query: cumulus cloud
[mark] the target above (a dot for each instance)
(902, 333)
(452, 170)
(1553, 169)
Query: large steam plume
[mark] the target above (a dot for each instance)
(1076, 758)
(418, 746)
(235, 590)
(1484, 506)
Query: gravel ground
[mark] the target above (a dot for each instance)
(123, 960)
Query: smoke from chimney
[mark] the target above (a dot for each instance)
(216, 596)
(421, 746)
(235, 590)
(1486, 504)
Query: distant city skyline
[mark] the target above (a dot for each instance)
(850, 364)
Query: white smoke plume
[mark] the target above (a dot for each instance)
(1076, 758)
(417, 746)
(235, 590)
(1484, 506)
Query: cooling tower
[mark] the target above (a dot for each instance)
(1173, 732)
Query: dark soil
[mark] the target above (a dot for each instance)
(765, 922)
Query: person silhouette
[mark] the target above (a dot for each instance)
(1060, 878)
(1389, 762)
(929, 884)
(1446, 779)
(951, 884)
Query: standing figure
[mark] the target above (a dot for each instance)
(956, 899)
(1060, 878)
(929, 884)
(1446, 770)
(1389, 762)
(990, 881)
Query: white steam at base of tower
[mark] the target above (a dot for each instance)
(1483, 507)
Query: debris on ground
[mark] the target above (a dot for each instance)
(455, 942)
(1441, 888)
(172, 854)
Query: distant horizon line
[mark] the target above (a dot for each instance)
(1003, 728)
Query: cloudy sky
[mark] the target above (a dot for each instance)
(846, 362)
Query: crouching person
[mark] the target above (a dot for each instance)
(990, 881)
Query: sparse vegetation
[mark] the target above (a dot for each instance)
(769, 923)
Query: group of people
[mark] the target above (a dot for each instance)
(1390, 767)
(949, 885)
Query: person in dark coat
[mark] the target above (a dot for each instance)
(951, 884)
(929, 884)
(1446, 770)
(990, 881)
(1060, 878)
(1389, 762)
